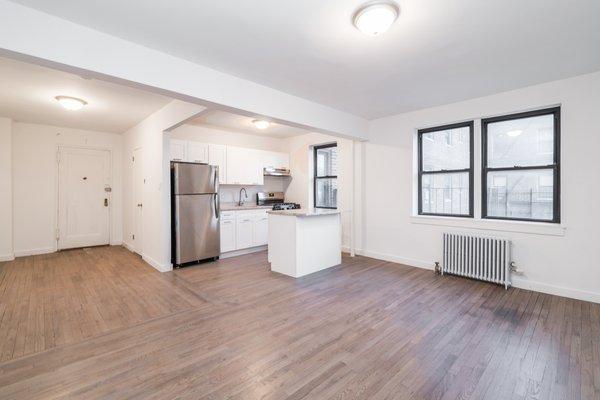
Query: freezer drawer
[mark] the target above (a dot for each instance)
(197, 235)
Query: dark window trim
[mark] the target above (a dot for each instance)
(420, 132)
(555, 166)
(317, 177)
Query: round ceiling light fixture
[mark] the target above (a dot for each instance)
(375, 18)
(71, 103)
(261, 124)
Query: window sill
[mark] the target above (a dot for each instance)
(535, 228)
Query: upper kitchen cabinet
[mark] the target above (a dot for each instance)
(272, 159)
(244, 166)
(177, 149)
(197, 152)
(217, 155)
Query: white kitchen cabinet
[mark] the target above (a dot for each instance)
(244, 231)
(217, 155)
(260, 235)
(275, 159)
(244, 166)
(177, 150)
(228, 235)
(197, 152)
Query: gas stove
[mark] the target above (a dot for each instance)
(286, 206)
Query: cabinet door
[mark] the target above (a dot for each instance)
(217, 155)
(177, 150)
(197, 152)
(228, 235)
(244, 232)
(255, 173)
(261, 230)
(244, 166)
(275, 159)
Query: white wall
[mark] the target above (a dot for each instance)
(34, 174)
(28, 32)
(6, 226)
(149, 135)
(300, 189)
(554, 260)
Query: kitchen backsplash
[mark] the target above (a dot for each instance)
(231, 193)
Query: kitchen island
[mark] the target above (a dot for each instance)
(304, 241)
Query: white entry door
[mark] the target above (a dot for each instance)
(138, 200)
(83, 202)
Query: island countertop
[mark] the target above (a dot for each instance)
(305, 212)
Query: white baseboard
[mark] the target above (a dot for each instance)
(396, 259)
(7, 257)
(517, 281)
(555, 290)
(236, 253)
(34, 252)
(128, 246)
(158, 266)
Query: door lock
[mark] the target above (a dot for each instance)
(105, 202)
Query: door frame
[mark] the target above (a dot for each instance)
(139, 250)
(59, 147)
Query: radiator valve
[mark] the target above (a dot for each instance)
(514, 269)
(437, 268)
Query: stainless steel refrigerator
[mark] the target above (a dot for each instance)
(195, 212)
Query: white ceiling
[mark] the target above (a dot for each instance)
(242, 124)
(437, 52)
(27, 95)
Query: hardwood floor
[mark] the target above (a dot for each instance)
(99, 323)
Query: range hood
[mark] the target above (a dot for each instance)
(272, 171)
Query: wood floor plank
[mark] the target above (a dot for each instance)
(99, 323)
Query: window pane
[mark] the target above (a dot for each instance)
(522, 142)
(521, 194)
(448, 149)
(445, 193)
(326, 193)
(327, 160)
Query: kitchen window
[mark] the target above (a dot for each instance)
(325, 176)
(445, 184)
(522, 151)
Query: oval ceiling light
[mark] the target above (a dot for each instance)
(375, 18)
(261, 124)
(71, 103)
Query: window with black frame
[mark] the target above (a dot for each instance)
(325, 176)
(521, 166)
(446, 170)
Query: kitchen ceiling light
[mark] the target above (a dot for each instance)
(514, 133)
(261, 124)
(71, 103)
(375, 18)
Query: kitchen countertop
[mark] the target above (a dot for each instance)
(246, 206)
(305, 212)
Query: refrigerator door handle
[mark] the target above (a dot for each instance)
(216, 205)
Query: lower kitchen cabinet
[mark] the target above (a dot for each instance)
(228, 238)
(243, 229)
(244, 225)
(260, 235)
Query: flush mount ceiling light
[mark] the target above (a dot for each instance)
(514, 133)
(71, 103)
(261, 124)
(375, 18)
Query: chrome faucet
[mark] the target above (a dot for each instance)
(241, 202)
